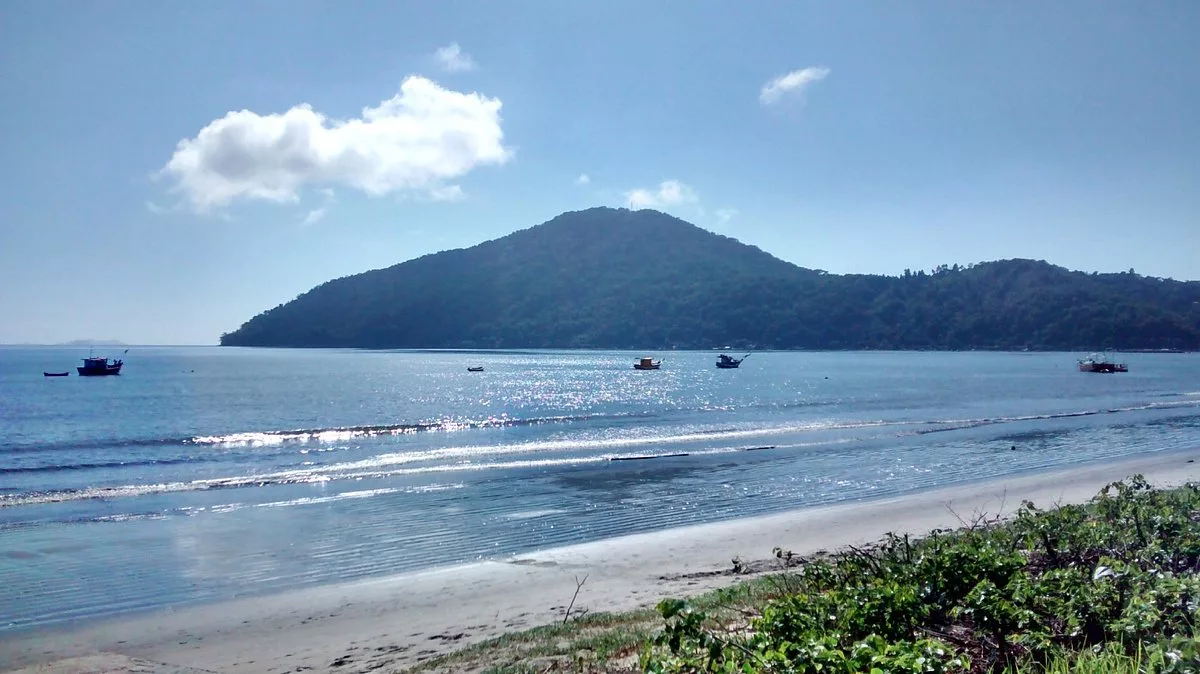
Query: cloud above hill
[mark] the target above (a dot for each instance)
(417, 140)
(668, 193)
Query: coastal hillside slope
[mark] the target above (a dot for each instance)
(616, 278)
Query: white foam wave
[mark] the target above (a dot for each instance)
(272, 438)
(477, 457)
(329, 435)
(954, 424)
(306, 500)
(311, 500)
(471, 452)
(533, 514)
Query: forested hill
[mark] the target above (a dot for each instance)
(615, 278)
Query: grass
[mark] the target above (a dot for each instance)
(585, 644)
(1107, 661)
(596, 642)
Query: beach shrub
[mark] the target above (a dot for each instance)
(693, 647)
(1111, 583)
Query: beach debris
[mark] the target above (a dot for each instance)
(579, 614)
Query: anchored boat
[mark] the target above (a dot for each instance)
(1099, 362)
(727, 362)
(99, 367)
(647, 364)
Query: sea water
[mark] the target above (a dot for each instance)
(207, 473)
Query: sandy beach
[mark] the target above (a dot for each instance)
(391, 623)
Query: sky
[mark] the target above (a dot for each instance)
(172, 169)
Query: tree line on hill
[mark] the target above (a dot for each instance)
(615, 278)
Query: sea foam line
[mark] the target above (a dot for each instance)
(324, 435)
(470, 452)
(318, 476)
(383, 465)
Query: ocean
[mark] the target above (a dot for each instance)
(207, 473)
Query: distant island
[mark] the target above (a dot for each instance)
(72, 343)
(92, 342)
(616, 278)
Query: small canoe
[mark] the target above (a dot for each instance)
(56, 374)
(477, 368)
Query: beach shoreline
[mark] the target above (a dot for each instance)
(399, 621)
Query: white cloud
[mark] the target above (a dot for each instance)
(669, 193)
(724, 215)
(314, 216)
(797, 81)
(156, 209)
(447, 193)
(453, 59)
(317, 214)
(415, 140)
(583, 179)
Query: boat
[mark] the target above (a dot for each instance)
(1099, 362)
(56, 374)
(475, 368)
(647, 364)
(727, 362)
(99, 367)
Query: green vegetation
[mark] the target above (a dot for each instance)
(1107, 587)
(613, 278)
(1105, 661)
(596, 642)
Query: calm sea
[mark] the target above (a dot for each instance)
(208, 473)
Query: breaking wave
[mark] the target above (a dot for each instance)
(959, 424)
(315, 435)
(534, 454)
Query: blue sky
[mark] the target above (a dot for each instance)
(135, 206)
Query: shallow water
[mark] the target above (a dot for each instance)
(206, 473)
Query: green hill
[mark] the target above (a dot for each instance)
(615, 278)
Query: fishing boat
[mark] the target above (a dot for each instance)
(727, 362)
(99, 367)
(647, 364)
(56, 374)
(1103, 363)
(475, 368)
